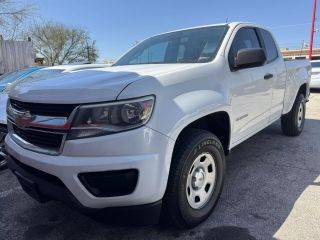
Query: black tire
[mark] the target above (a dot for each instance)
(176, 209)
(290, 124)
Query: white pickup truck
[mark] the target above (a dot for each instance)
(150, 134)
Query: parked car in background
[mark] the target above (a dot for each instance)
(315, 75)
(150, 133)
(9, 80)
(5, 80)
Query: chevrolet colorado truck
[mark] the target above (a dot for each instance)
(150, 133)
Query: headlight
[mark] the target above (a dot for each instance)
(108, 118)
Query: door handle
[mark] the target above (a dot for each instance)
(268, 76)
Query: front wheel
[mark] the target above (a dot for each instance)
(195, 179)
(292, 123)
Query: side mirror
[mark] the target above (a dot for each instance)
(247, 58)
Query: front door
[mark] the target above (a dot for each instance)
(250, 91)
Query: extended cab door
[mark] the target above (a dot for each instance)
(250, 92)
(276, 69)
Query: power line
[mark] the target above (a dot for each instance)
(290, 25)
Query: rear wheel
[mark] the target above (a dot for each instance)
(292, 123)
(195, 180)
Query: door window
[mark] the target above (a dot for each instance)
(269, 44)
(246, 38)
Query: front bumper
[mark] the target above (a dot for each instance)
(44, 187)
(143, 149)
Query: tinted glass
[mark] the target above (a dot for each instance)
(187, 46)
(37, 75)
(271, 49)
(315, 64)
(12, 76)
(44, 74)
(246, 38)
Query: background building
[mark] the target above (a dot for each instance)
(300, 54)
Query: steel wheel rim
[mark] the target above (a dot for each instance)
(300, 114)
(201, 181)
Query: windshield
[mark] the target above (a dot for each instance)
(187, 46)
(38, 75)
(12, 76)
(315, 64)
(44, 73)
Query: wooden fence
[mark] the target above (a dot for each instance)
(15, 55)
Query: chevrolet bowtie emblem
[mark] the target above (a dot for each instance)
(25, 119)
(22, 118)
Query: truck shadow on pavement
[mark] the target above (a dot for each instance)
(265, 177)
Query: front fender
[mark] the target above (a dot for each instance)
(177, 107)
(187, 108)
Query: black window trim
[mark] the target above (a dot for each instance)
(259, 40)
(264, 45)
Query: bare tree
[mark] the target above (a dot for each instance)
(12, 18)
(59, 44)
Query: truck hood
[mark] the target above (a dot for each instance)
(87, 86)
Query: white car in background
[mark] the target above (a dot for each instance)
(315, 75)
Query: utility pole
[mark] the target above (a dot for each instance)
(88, 52)
(303, 45)
(312, 28)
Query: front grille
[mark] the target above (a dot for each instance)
(43, 140)
(42, 109)
(48, 140)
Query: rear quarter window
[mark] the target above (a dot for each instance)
(270, 45)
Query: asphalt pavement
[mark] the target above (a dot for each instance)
(272, 191)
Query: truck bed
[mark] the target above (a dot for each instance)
(298, 72)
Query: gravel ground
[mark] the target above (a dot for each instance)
(272, 191)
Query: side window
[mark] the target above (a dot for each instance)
(245, 38)
(271, 49)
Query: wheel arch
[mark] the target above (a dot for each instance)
(291, 97)
(303, 90)
(218, 123)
